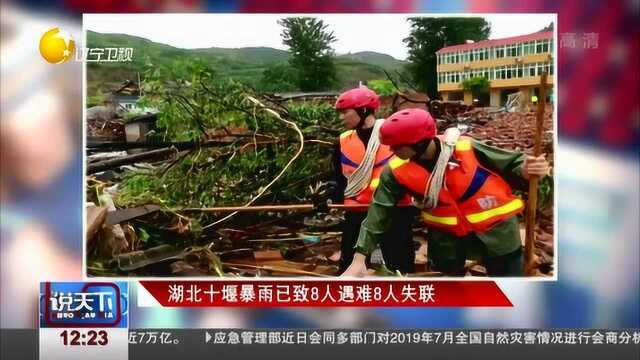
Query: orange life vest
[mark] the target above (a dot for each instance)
(472, 199)
(352, 151)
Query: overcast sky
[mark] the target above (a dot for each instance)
(355, 32)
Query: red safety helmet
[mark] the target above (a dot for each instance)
(361, 97)
(407, 127)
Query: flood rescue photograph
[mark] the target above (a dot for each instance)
(376, 146)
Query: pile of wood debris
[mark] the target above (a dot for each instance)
(292, 244)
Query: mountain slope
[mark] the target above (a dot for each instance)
(242, 64)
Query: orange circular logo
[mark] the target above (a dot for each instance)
(57, 46)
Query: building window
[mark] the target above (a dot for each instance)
(513, 50)
(538, 47)
(500, 52)
(520, 70)
(545, 46)
(532, 47)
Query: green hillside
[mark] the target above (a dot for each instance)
(242, 64)
(370, 57)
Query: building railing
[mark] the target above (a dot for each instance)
(497, 52)
(514, 71)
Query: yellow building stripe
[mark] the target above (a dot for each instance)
(463, 145)
(396, 162)
(346, 133)
(445, 220)
(504, 209)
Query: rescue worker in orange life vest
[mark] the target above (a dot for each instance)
(358, 162)
(462, 187)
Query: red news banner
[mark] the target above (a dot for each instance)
(327, 293)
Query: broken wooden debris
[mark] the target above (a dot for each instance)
(299, 258)
(121, 215)
(267, 255)
(96, 216)
(284, 267)
(182, 268)
(130, 159)
(138, 259)
(113, 240)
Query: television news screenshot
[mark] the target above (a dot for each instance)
(319, 179)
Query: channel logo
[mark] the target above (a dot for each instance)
(57, 46)
(83, 304)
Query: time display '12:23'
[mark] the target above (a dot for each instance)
(91, 338)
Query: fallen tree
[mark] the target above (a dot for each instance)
(216, 148)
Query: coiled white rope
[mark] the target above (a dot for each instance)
(361, 177)
(436, 180)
